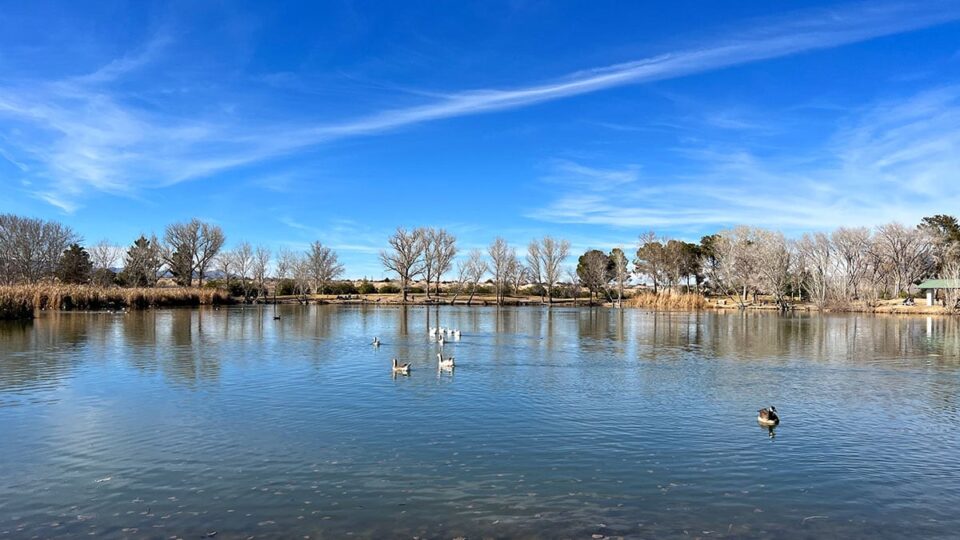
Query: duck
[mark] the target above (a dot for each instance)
(402, 369)
(445, 364)
(375, 342)
(768, 417)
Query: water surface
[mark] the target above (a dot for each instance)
(558, 423)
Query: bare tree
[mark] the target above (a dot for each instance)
(104, 257)
(195, 240)
(909, 252)
(223, 265)
(518, 274)
(261, 260)
(324, 266)
(851, 249)
(405, 256)
(621, 272)
(243, 263)
(500, 259)
(285, 263)
(31, 248)
(774, 262)
(440, 252)
(817, 255)
(475, 270)
(736, 260)
(534, 266)
(575, 286)
(552, 254)
(300, 268)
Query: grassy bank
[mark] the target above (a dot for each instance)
(667, 302)
(19, 301)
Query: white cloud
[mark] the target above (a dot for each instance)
(892, 161)
(79, 133)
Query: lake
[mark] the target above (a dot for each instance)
(562, 423)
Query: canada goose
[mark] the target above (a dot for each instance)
(375, 342)
(445, 364)
(768, 417)
(403, 369)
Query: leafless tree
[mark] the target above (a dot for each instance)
(575, 285)
(775, 262)
(243, 264)
(851, 249)
(908, 251)
(405, 256)
(621, 272)
(104, 257)
(551, 253)
(818, 262)
(300, 269)
(223, 265)
(518, 274)
(476, 268)
(440, 247)
(324, 266)
(261, 262)
(736, 260)
(534, 266)
(500, 258)
(31, 248)
(198, 240)
(285, 263)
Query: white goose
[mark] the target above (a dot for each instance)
(440, 340)
(445, 364)
(456, 334)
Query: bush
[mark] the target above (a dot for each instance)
(341, 287)
(366, 288)
(388, 289)
(286, 287)
(415, 290)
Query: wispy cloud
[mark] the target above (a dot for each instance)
(80, 133)
(890, 161)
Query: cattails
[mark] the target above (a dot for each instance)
(19, 301)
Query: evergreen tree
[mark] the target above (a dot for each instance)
(74, 265)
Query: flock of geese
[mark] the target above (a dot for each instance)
(766, 417)
(438, 334)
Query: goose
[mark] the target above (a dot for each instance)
(456, 334)
(440, 340)
(768, 417)
(445, 364)
(375, 342)
(433, 330)
(403, 369)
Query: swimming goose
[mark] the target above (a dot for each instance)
(433, 330)
(445, 364)
(456, 334)
(768, 417)
(440, 340)
(403, 369)
(376, 342)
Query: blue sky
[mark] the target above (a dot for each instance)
(593, 121)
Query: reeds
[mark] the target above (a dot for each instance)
(668, 301)
(19, 301)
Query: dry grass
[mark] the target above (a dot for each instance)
(667, 301)
(19, 301)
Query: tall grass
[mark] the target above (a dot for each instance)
(19, 301)
(667, 301)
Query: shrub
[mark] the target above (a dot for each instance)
(366, 288)
(388, 289)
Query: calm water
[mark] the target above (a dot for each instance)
(562, 423)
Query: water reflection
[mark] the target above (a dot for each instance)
(556, 422)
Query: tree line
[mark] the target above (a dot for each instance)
(846, 265)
